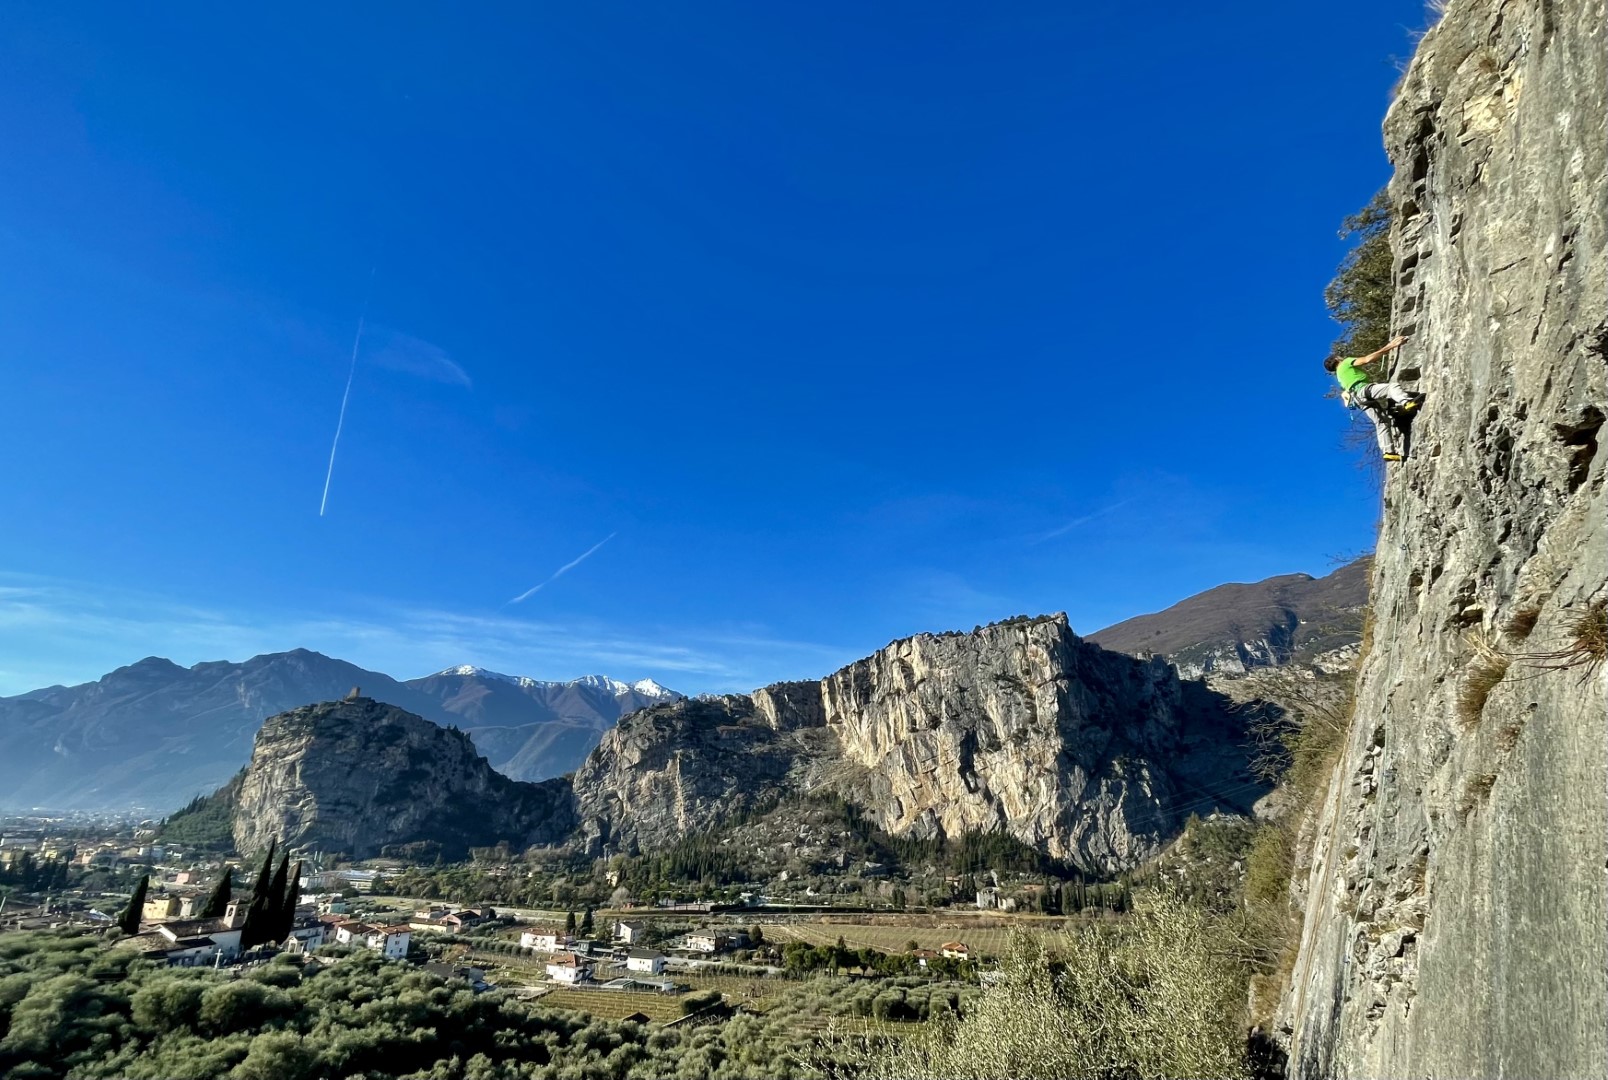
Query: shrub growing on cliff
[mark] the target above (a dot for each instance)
(1359, 297)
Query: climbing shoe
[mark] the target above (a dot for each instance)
(1392, 457)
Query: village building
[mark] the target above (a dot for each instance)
(389, 941)
(644, 960)
(448, 921)
(955, 950)
(158, 908)
(545, 940)
(569, 969)
(707, 942)
(188, 942)
(629, 931)
(190, 952)
(306, 936)
(225, 933)
(353, 933)
(462, 920)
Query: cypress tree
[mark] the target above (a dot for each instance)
(265, 873)
(129, 921)
(569, 923)
(275, 909)
(287, 907)
(218, 902)
(586, 922)
(260, 913)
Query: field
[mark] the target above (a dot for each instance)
(983, 941)
(739, 989)
(614, 1004)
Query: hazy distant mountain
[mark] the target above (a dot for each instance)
(154, 734)
(1236, 627)
(527, 728)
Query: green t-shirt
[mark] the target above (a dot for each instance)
(1349, 374)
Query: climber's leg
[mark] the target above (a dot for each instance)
(1384, 427)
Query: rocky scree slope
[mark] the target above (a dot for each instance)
(358, 776)
(1092, 756)
(1456, 917)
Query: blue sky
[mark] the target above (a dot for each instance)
(837, 322)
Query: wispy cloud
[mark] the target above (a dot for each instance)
(562, 570)
(1080, 521)
(397, 351)
(68, 632)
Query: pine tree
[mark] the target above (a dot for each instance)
(218, 902)
(129, 921)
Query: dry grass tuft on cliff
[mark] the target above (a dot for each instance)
(1475, 792)
(1587, 645)
(1488, 668)
(1523, 621)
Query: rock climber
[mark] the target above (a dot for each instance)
(1380, 400)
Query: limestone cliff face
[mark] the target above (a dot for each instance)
(1457, 917)
(1020, 726)
(1090, 755)
(671, 770)
(355, 776)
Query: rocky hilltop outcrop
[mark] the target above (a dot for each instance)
(357, 776)
(1456, 911)
(1092, 756)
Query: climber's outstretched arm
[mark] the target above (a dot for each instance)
(1377, 353)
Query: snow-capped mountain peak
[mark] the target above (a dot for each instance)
(614, 687)
(649, 688)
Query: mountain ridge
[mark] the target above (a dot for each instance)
(154, 733)
(1239, 626)
(1090, 756)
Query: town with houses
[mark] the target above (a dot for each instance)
(337, 908)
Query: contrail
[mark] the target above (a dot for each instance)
(1078, 522)
(340, 423)
(562, 570)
